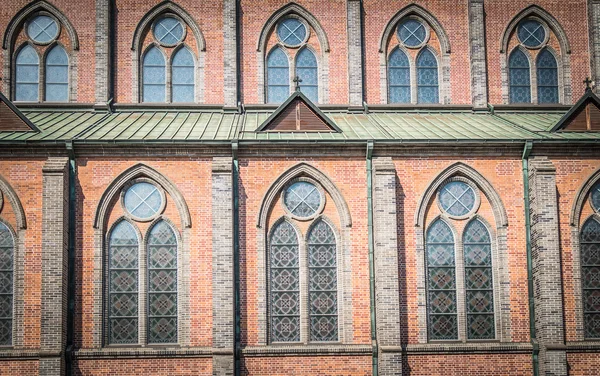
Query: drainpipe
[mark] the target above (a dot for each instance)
(71, 265)
(532, 335)
(371, 256)
(236, 259)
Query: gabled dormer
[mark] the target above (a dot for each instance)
(584, 116)
(13, 120)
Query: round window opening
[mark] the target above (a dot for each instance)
(531, 33)
(595, 197)
(412, 33)
(143, 201)
(292, 32)
(169, 31)
(302, 199)
(457, 198)
(42, 29)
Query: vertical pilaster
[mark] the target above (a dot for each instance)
(547, 277)
(355, 61)
(387, 295)
(594, 20)
(103, 52)
(222, 274)
(230, 65)
(477, 44)
(55, 198)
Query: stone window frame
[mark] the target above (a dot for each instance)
(130, 184)
(343, 239)
(138, 51)
(563, 57)
(476, 204)
(302, 21)
(498, 234)
(160, 18)
(321, 205)
(443, 59)
(297, 11)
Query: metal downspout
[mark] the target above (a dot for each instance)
(236, 259)
(370, 145)
(71, 261)
(532, 335)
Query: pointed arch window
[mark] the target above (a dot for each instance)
(278, 76)
(399, 77)
(427, 77)
(547, 77)
(307, 72)
(519, 73)
(154, 76)
(590, 277)
(27, 75)
(182, 76)
(57, 75)
(7, 251)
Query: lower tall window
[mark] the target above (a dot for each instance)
(7, 250)
(590, 277)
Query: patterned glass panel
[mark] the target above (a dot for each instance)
(291, 32)
(427, 78)
(123, 284)
(182, 80)
(7, 249)
(42, 29)
(412, 33)
(531, 33)
(302, 199)
(441, 283)
(154, 76)
(590, 277)
(457, 198)
(284, 284)
(519, 80)
(595, 196)
(399, 77)
(57, 75)
(322, 291)
(169, 31)
(278, 76)
(162, 284)
(547, 77)
(306, 70)
(143, 200)
(479, 282)
(27, 73)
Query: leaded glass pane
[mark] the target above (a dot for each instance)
(143, 200)
(398, 77)
(154, 76)
(441, 282)
(42, 29)
(57, 75)
(123, 287)
(427, 78)
(531, 33)
(547, 78)
(306, 70)
(284, 284)
(291, 32)
(6, 284)
(182, 80)
(479, 281)
(162, 284)
(412, 33)
(595, 196)
(457, 198)
(169, 31)
(322, 270)
(519, 80)
(27, 75)
(278, 76)
(590, 276)
(302, 199)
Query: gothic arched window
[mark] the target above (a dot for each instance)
(520, 84)
(398, 77)
(278, 76)
(154, 76)
(7, 251)
(427, 77)
(590, 277)
(307, 72)
(547, 77)
(57, 75)
(27, 75)
(182, 76)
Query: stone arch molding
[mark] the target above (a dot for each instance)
(461, 169)
(140, 170)
(303, 169)
(9, 193)
(36, 6)
(581, 198)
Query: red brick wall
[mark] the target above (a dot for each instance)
(155, 367)
(19, 367)
(324, 366)
(583, 364)
(459, 365)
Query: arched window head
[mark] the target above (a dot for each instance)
(398, 77)
(27, 75)
(590, 277)
(7, 251)
(519, 77)
(307, 72)
(547, 77)
(57, 75)
(154, 76)
(182, 76)
(278, 76)
(427, 77)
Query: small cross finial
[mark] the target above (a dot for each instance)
(587, 83)
(297, 81)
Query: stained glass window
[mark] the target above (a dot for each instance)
(27, 75)
(302, 199)
(441, 283)
(42, 29)
(531, 33)
(7, 250)
(143, 200)
(427, 77)
(278, 76)
(182, 80)
(57, 75)
(284, 284)
(457, 198)
(322, 271)
(412, 33)
(168, 31)
(547, 77)
(399, 77)
(479, 281)
(162, 284)
(306, 70)
(291, 32)
(595, 196)
(123, 284)
(154, 76)
(590, 277)
(519, 80)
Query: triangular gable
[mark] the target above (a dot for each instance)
(584, 116)
(298, 114)
(13, 120)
